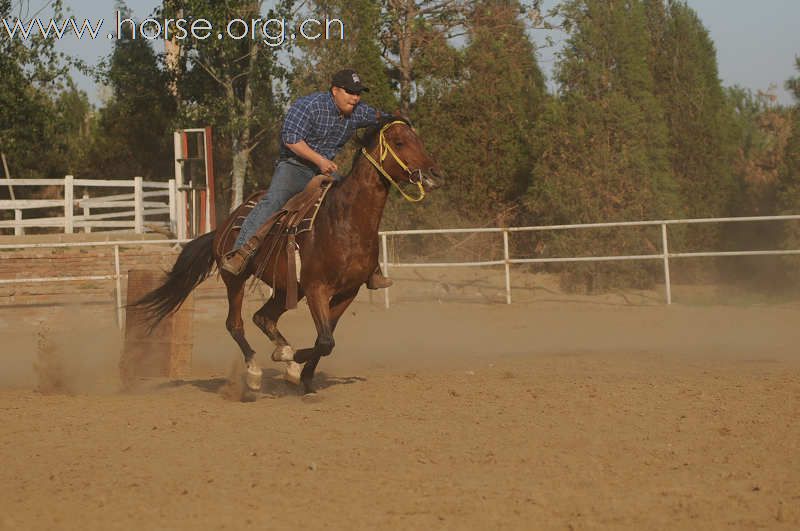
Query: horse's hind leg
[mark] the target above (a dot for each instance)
(235, 326)
(266, 319)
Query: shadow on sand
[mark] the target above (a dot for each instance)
(272, 385)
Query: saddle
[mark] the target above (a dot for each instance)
(280, 230)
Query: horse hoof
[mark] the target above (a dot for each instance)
(253, 378)
(292, 373)
(283, 353)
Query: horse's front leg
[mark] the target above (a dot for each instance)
(326, 314)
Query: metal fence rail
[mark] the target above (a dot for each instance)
(506, 262)
(117, 276)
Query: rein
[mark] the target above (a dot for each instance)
(384, 150)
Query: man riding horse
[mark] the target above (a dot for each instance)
(339, 248)
(314, 131)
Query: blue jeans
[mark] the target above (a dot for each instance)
(290, 178)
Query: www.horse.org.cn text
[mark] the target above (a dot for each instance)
(271, 31)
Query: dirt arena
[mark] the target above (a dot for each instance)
(551, 413)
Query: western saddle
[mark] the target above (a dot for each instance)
(281, 229)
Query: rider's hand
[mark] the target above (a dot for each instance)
(327, 166)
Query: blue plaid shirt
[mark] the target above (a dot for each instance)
(317, 120)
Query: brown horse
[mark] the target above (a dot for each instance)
(338, 254)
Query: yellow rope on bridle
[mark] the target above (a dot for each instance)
(384, 150)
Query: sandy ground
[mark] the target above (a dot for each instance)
(548, 414)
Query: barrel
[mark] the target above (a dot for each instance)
(166, 351)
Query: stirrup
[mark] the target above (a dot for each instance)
(236, 261)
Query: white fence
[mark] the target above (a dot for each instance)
(506, 262)
(130, 211)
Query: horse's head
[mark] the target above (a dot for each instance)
(396, 151)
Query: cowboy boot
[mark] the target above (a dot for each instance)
(236, 261)
(377, 281)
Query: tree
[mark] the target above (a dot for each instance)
(230, 83)
(788, 195)
(412, 29)
(317, 60)
(789, 187)
(701, 144)
(481, 125)
(762, 131)
(793, 84)
(32, 75)
(605, 156)
(132, 134)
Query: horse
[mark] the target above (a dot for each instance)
(337, 254)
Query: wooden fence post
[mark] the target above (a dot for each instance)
(86, 213)
(173, 208)
(19, 230)
(138, 207)
(69, 199)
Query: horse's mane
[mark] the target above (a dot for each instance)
(370, 136)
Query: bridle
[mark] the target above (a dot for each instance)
(384, 149)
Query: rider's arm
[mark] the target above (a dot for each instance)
(366, 115)
(296, 128)
(301, 149)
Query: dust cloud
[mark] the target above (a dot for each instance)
(63, 350)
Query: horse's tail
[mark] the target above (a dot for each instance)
(192, 267)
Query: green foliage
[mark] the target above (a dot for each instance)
(638, 128)
(360, 50)
(40, 110)
(232, 85)
(606, 143)
(701, 125)
(788, 194)
(701, 142)
(793, 84)
(132, 133)
(761, 131)
(481, 127)
(317, 60)
(415, 35)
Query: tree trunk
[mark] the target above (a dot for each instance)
(405, 76)
(242, 142)
(240, 157)
(406, 36)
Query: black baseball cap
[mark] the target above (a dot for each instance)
(348, 79)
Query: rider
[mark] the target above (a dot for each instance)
(314, 131)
